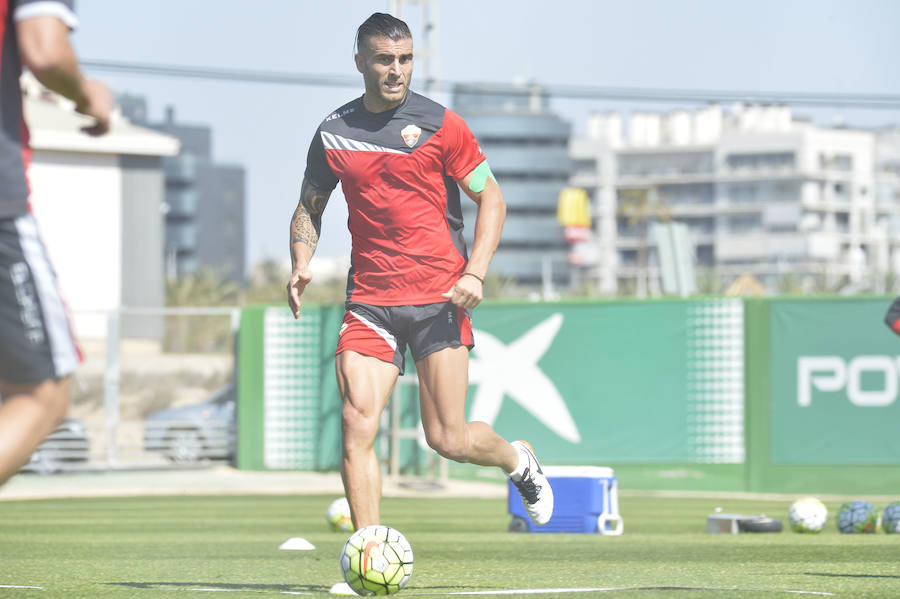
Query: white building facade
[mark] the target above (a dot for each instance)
(99, 203)
(761, 192)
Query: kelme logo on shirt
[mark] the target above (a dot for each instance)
(411, 135)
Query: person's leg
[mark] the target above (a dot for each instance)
(365, 384)
(443, 383)
(27, 415)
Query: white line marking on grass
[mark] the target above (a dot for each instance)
(537, 591)
(215, 590)
(18, 586)
(608, 589)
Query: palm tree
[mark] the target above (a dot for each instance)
(639, 206)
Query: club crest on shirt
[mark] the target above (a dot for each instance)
(411, 135)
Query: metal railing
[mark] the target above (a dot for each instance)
(418, 460)
(155, 390)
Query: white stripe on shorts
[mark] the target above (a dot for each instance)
(381, 332)
(56, 318)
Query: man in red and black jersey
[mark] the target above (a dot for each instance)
(401, 159)
(37, 349)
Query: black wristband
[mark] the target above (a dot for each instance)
(472, 274)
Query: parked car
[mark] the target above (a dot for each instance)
(197, 432)
(67, 445)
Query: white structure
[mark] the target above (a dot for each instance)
(762, 193)
(99, 204)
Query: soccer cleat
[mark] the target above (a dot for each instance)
(537, 496)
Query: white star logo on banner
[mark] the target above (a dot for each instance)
(500, 370)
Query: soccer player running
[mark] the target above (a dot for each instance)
(399, 157)
(37, 350)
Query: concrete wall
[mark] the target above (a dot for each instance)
(77, 200)
(143, 231)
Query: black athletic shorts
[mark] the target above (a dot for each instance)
(36, 340)
(383, 332)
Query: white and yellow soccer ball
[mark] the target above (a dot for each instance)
(338, 515)
(377, 560)
(808, 515)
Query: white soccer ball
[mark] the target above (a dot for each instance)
(890, 518)
(338, 515)
(808, 515)
(377, 560)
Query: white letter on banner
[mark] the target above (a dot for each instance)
(860, 397)
(806, 365)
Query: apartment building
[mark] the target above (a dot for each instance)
(205, 200)
(761, 192)
(527, 147)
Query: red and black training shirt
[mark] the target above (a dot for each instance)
(398, 170)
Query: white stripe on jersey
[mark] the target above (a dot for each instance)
(383, 333)
(56, 320)
(48, 8)
(337, 142)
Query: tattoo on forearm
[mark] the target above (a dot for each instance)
(306, 224)
(303, 229)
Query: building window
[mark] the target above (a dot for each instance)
(743, 193)
(628, 258)
(775, 161)
(842, 220)
(744, 223)
(836, 162)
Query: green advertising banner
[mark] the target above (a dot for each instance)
(775, 395)
(586, 383)
(613, 382)
(834, 369)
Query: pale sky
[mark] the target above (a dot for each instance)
(825, 46)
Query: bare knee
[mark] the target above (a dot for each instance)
(448, 445)
(357, 426)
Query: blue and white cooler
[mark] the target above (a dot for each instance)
(585, 500)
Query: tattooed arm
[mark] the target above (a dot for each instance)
(306, 225)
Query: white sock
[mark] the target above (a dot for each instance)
(520, 468)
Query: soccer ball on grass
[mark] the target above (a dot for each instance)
(890, 518)
(339, 515)
(857, 517)
(377, 560)
(808, 515)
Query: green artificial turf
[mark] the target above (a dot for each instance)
(172, 547)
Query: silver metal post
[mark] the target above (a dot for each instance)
(111, 379)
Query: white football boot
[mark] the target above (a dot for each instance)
(537, 496)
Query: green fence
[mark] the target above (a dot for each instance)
(793, 395)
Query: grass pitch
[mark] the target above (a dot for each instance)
(193, 547)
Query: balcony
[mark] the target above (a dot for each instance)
(181, 168)
(182, 202)
(181, 237)
(524, 264)
(760, 246)
(530, 194)
(532, 228)
(534, 160)
(524, 127)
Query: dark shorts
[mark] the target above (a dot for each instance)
(36, 341)
(383, 332)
